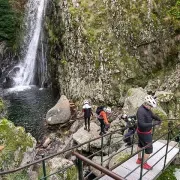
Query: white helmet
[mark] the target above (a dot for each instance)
(124, 116)
(107, 109)
(150, 101)
(86, 102)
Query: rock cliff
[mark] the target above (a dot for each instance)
(102, 48)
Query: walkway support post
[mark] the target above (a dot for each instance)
(168, 138)
(44, 168)
(132, 142)
(109, 144)
(80, 168)
(102, 151)
(142, 162)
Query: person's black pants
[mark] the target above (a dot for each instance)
(102, 125)
(87, 121)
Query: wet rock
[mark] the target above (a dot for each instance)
(60, 113)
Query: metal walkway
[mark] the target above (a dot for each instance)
(164, 153)
(124, 169)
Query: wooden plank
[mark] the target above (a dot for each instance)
(130, 165)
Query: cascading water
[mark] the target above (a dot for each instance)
(34, 18)
(29, 104)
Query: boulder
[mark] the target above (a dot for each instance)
(134, 99)
(82, 136)
(57, 163)
(60, 113)
(169, 102)
(97, 160)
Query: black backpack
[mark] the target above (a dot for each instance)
(99, 109)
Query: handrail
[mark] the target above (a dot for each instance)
(169, 131)
(61, 152)
(144, 147)
(77, 146)
(98, 167)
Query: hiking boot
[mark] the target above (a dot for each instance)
(147, 166)
(101, 133)
(138, 161)
(88, 129)
(85, 128)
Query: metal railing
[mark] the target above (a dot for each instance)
(100, 167)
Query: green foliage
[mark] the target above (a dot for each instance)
(175, 11)
(13, 138)
(69, 174)
(20, 175)
(1, 105)
(168, 173)
(10, 21)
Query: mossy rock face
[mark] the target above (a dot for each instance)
(170, 103)
(56, 164)
(16, 143)
(1, 105)
(102, 48)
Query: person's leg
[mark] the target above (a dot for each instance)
(88, 123)
(139, 147)
(85, 120)
(148, 151)
(102, 126)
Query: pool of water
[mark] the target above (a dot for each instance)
(27, 107)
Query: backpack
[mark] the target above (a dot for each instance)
(99, 109)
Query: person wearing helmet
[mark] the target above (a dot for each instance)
(87, 114)
(130, 129)
(102, 117)
(145, 123)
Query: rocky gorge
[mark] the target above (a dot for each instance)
(110, 52)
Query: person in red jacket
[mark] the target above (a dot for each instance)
(102, 117)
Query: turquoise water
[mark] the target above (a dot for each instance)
(28, 108)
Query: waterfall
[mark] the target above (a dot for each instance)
(33, 22)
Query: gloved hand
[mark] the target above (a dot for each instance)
(156, 123)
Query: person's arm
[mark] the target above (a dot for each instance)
(142, 120)
(155, 117)
(91, 113)
(132, 117)
(103, 114)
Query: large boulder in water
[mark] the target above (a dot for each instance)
(60, 113)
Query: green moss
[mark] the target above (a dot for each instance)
(175, 11)
(168, 173)
(70, 174)
(97, 64)
(122, 157)
(13, 138)
(1, 105)
(11, 18)
(129, 93)
(20, 175)
(40, 171)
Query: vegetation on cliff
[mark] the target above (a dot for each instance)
(11, 14)
(119, 44)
